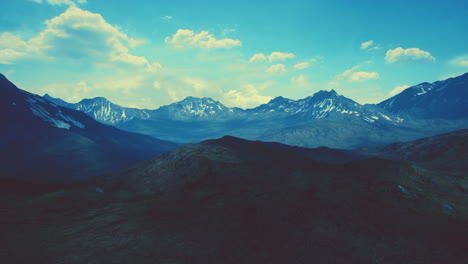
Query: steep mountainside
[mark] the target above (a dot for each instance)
(446, 99)
(43, 142)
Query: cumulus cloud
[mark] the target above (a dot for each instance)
(277, 68)
(120, 89)
(61, 2)
(302, 65)
(461, 61)
(367, 44)
(274, 56)
(398, 89)
(301, 80)
(259, 57)
(408, 55)
(248, 96)
(185, 38)
(9, 40)
(280, 56)
(78, 34)
(179, 87)
(352, 75)
(7, 56)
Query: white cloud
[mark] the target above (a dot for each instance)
(9, 40)
(61, 2)
(408, 55)
(367, 44)
(461, 61)
(352, 75)
(184, 38)
(277, 68)
(274, 56)
(81, 35)
(248, 96)
(121, 90)
(362, 76)
(167, 18)
(259, 57)
(178, 88)
(301, 80)
(302, 65)
(398, 89)
(157, 85)
(280, 56)
(7, 56)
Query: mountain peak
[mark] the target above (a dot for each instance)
(98, 99)
(2, 77)
(6, 85)
(197, 99)
(332, 92)
(279, 99)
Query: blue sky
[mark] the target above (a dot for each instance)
(144, 54)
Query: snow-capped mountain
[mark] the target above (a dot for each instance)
(103, 110)
(193, 108)
(46, 143)
(446, 99)
(322, 105)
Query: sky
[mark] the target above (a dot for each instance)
(145, 53)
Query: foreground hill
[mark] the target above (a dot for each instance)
(446, 152)
(42, 142)
(236, 201)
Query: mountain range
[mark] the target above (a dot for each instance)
(323, 119)
(43, 142)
